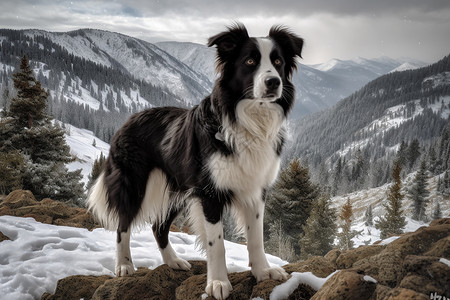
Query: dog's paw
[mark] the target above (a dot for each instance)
(179, 264)
(124, 269)
(219, 289)
(275, 273)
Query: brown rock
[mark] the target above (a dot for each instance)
(191, 288)
(440, 249)
(403, 294)
(333, 255)
(19, 198)
(426, 275)
(442, 221)
(3, 237)
(21, 203)
(40, 218)
(419, 241)
(76, 287)
(349, 257)
(386, 267)
(318, 265)
(346, 285)
(160, 283)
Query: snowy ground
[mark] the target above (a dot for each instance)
(376, 197)
(81, 146)
(39, 254)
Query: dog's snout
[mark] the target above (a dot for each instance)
(272, 82)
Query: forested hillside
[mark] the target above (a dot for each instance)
(361, 134)
(94, 77)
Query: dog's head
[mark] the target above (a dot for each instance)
(257, 68)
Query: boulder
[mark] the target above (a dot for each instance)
(346, 285)
(386, 267)
(76, 287)
(426, 275)
(22, 203)
(318, 265)
(348, 257)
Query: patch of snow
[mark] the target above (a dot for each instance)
(283, 290)
(329, 65)
(81, 146)
(370, 279)
(437, 80)
(407, 66)
(38, 254)
(445, 261)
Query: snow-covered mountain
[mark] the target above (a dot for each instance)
(140, 59)
(198, 57)
(317, 86)
(103, 70)
(321, 86)
(394, 107)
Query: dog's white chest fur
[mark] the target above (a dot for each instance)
(254, 163)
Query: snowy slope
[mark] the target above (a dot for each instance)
(38, 255)
(321, 86)
(81, 146)
(376, 197)
(198, 57)
(393, 117)
(140, 59)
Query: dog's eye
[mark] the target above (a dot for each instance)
(250, 62)
(277, 62)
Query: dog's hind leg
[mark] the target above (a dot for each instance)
(124, 263)
(161, 233)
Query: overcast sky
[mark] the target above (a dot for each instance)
(342, 29)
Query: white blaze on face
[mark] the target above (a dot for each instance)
(265, 70)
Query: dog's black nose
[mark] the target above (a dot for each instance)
(272, 82)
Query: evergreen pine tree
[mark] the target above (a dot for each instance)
(29, 105)
(413, 152)
(368, 216)
(437, 213)
(393, 222)
(320, 229)
(11, 168)
(432, 160)
(291, 199)
(419, 193)
(5, 100)
(29, 130)
(347, 234)
(97, 169)
(402, 154)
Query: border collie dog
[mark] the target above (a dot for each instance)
(222, 154)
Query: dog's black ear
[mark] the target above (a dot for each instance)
(227, 42)
(290, 44)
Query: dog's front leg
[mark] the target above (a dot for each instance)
(255, 244)
(218, 284)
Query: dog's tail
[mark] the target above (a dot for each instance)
(97, 202)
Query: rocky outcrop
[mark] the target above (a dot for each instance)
(22, 203)
(411, 267)
(414, 266)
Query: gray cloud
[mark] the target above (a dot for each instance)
(332, 29)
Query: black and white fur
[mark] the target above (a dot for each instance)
(223, 153)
